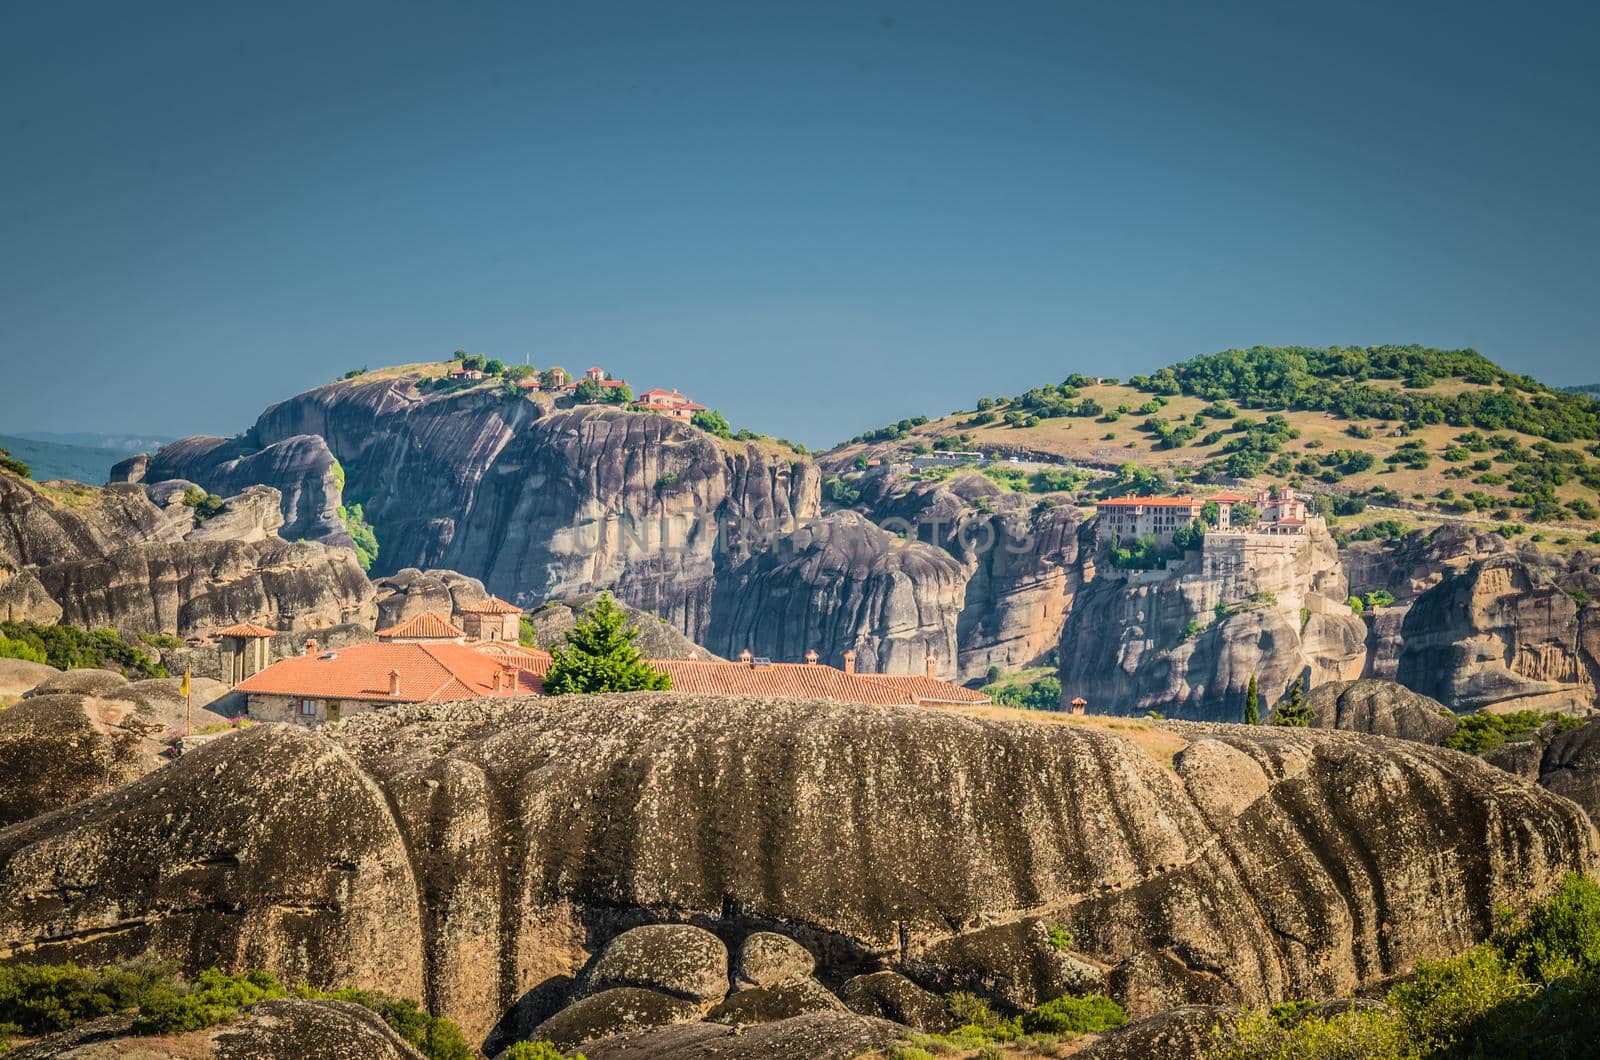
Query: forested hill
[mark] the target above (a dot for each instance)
(1448, 430)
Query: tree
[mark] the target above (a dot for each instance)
(1294, 712)
(1252, 703)
(600, 656)
(1211, 513)
(588, 392)
(551, 378)
(13, 465)
(712, 422)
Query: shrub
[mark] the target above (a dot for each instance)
(1060, 937)
(45, 998)
(1476, 734)
(535, 1051)
(13, 465)
(71, 648)
(205, 504)
(213, 997)
(1074, 1015)
(713, 422)
(19, 649)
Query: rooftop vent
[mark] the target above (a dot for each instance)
(329, 655)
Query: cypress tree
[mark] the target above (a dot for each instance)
(1252, 703)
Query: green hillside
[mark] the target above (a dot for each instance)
(48, 460)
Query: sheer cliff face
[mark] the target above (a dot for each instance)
(1517, 630)
(469, 854)
(114, 558)
(1144, 641)
(538, 503)
(841, 583)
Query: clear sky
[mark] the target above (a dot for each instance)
(816, 216)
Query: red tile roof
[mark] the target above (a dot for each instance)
(427, 626)
(1228, 498)
(492, 606)
(532, 660)
(428, 672)
(1149, 502)
(923, 689)
(246, 629)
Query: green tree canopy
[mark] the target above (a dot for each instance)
(1252, 703)
(1295, 712)
(600, 656)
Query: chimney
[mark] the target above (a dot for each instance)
(311, 647)
(930, 661)
(850, 661)
(394, 682)
(811, 657)
(745, 657)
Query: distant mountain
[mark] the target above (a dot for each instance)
(48, 460)
(1592, 389)
(124, 443)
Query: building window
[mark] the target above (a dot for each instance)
(308, 708)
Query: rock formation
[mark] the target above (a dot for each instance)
(86, 732)
(474, 855)
(1571, 767)
(405, 594)
(536, 503)
(1515, 630)
(1185, 641)
(656, 639)
(112, 557)
(1381, 708)
(837, 584)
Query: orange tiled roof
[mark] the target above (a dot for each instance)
(924, 689)
(1228, 498)
(492, 606)
(246, 629)
(1149, 502)
(789, 680)
(532, 660)
(427, 626)
(427, 672)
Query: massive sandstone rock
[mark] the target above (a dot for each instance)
(656, 639)
(112, 557)
(539, 503)
(837, 584)
(1380, 708)
(405, 594)
(470, 854)
(1514, 631)
(1020, 554)
(1138, 641)
(1571, 767)
(301, 468)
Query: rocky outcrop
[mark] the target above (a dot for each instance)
(1020, 553)
(891, 996)
(1519, 631)
(1380, 708)
(405, 594)
(470, 854)
(301, 468)
(656, 639)
(81, 733)
(819, 1036)
(536, 503)
(114, 558)
(1571, 767)
(1186, 641)
(767, 959)
(838, 584)
(284, 1027)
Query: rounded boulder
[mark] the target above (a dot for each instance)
(677, 959)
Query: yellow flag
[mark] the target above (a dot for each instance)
(184, 688)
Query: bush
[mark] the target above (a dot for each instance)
(713, 422)
(20, 649)
(435, 1037)
(535, 1051)
(13, 465)
(73, 648)
(213, 997)
(1074, 1015)
(205, 504)
(1476, 734)
(361, 533)
(45, 998)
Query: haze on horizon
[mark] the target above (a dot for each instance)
(817, 218)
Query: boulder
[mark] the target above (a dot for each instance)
(891, 996)
(304, 1030)
(767, 958)
(619, 1010)
(19, 675)
(1382, 708)
(676, 959)
(86, 682)
(792, 997)
(1017, 965)
(1181, 1033)
(817, 1036)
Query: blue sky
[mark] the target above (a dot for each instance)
(818, 217)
